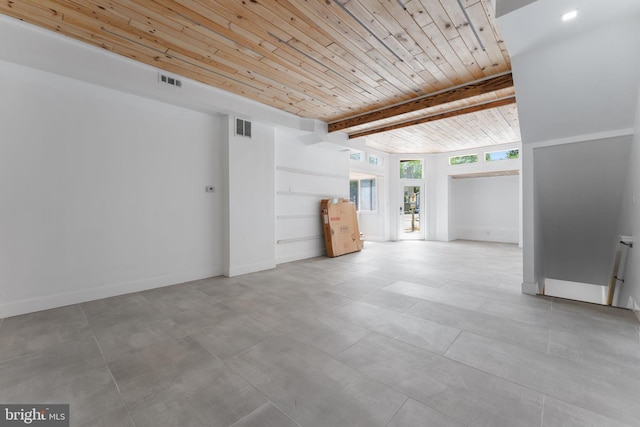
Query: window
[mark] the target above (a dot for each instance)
(375, 160)
(354, 193)
(502, 155)
(410, 169)
(243, 127)
(368, 194)
(363, 193)
(461, 160)
(356, 156)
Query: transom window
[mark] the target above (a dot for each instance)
(502, 155)
(375, 160)
(411, 169)
(462, 160)
(356, 156)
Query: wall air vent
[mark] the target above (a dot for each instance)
(172, 81)
(243, 127)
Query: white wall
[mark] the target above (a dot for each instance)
(532, 236)
(102, 192)
(439, 191)
(562, 92)
(50, 51)
(250, 177)
(580, 194)
(486, 209)
(565, 97)
(439, 199)
(629, 291)
(305, 174)
(451, 223)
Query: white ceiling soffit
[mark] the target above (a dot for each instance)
(507, 6)
(540, 22)
(486, 174)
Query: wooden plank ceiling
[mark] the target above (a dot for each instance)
(341, 61)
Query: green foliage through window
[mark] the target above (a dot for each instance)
(411, 169)
(502, 155)
(461, 160)
(375, 160)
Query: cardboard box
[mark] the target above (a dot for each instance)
(340, 223)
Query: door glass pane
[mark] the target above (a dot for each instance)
(411, 214)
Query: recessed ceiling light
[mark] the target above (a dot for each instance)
(569, 15)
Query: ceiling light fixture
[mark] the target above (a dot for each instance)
(570, 15)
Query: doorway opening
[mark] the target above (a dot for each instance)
(412, 213)
(411, 224)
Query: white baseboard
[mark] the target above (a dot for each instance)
(633, 306)
(374, 238)
(497, 236)
(530, 288)
(586, 292)
(250, 268)
(47, 302)
(283, 259)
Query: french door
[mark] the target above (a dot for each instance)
(412, 221)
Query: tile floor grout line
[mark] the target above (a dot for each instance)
(510, 381)
(416, 398)
(560, 357)
(548, 341)
(398, 411)
(492, 316)
(412, 305)
(486, 300)
(106, 364)
(451, 344)
(400, 339)
(250, 383)
(269, 402)
(543, 393)
(534, 340)
(348, 347)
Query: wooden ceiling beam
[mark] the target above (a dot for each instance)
(480, 87)
(434, 117)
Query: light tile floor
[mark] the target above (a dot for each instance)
(400, 334)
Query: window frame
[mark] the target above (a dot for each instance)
(422, 171)
(373, 190)
(488, 153)
(379, 161)
(361, 156)
(461, 156)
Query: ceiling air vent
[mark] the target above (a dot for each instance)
(172, 81)
(243, 127)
